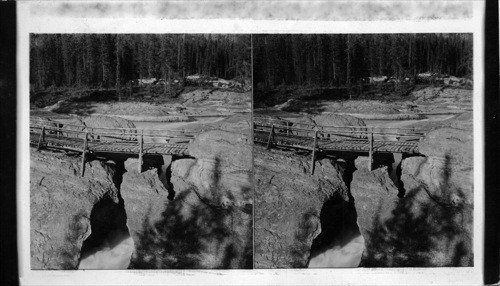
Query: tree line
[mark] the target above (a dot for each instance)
(111, 60)
(344, 59)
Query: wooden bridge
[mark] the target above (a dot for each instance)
(280, 133)
(105, 141)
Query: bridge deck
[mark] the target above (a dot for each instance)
(325, 144)
(105, 141)
(102, 147)
(283, 133)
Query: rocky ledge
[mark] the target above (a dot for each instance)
(181, 212)
(289, 202)
(193, 212)
(425, 220)
(63, 205)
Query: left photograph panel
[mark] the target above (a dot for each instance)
(140, 151)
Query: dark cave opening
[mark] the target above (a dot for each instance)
(339, 232)
(108, 222)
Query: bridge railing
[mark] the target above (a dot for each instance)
(48, 130)
(278, 121)
(316, 133)
(341, 132)
(112, 134)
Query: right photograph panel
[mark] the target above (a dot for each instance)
(363, 150)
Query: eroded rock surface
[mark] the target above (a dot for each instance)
(288, 204)
(442, 184)
(208, 222)
(337, 120)
(61, 204)
(374, 193)
(431, 224)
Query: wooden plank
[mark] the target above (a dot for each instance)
(370, 154)
(141, 147)
(84, 151)
(314, 152)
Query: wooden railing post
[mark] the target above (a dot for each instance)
(85, 146)
(314, 151)
(42, 138)
(370, 154)
(141, 147)
(271, 137)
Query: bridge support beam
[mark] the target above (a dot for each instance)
(84, 151)
(42, 138)
(370, 152)
(141, 150)
(271, 137)
(314, 151)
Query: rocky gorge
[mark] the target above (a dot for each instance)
(406, 212)
(178, 212)
(198, 211)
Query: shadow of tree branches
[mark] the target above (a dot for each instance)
(424, 229)
(193, 233)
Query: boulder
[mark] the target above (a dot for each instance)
(446, 167)
(452, 184)
(199, 214)
(144, 196)
(430, 225)
(444, 178)
(375, 195)
(452, 144)
(224, 159)
(288, 204)
(61, 205)
(361, 162)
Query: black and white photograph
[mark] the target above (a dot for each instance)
(363, 152)
(140, 151)
(249, 143)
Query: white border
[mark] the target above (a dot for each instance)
(360, 276)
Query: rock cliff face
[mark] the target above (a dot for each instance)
(430, 223)
(442, 184)
(63, 204)
(375, 196)
(187, 213)
(288, 205)
(200, 214)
